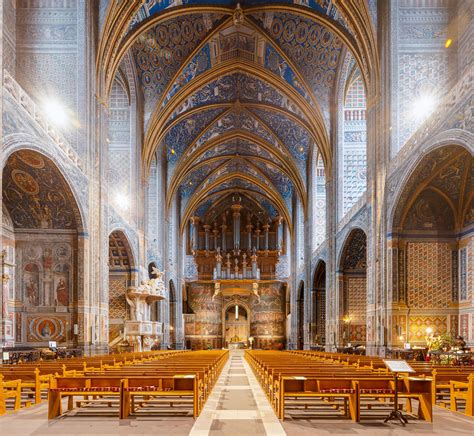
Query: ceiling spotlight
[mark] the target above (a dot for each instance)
(122, 201)
(423, 106)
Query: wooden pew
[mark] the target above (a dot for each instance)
(9, 389)
(463, 391)
(299, 376)
(302, 387)
(191, 375)
(31, 381)
(84, 387)
(152, 386)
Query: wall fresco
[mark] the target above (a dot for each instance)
(36, 194)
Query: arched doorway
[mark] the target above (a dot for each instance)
(120, 276)
(353, 283)
(300, 304)
(172, 308)
(318, 335)
(236, 324)
(41, 222)
(432, 248)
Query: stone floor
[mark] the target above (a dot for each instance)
(237, 407)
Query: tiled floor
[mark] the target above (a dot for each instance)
(237, 407)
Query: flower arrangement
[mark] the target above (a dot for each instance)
(442, 342)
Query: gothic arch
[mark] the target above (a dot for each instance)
(121, 264)
(318, 304)
(431, 242)
(300, 311)
(48, 253)
(75, 179)
(352, 277)
(450, 138)
(172, 311)
(128, 241)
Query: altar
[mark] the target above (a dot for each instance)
(237, 345)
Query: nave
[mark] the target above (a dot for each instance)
(236, 395)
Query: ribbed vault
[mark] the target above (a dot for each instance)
(236, 98)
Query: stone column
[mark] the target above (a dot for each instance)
(378, 157)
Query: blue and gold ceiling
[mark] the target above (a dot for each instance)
(237, 97)
(36, 194)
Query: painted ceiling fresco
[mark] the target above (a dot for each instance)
(36, 194)
(152, 7)
(310, 46)
(245, 88)
(159, 52)
(446, 173)
(120, 257)
(237, 97)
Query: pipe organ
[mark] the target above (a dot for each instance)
(236, 243)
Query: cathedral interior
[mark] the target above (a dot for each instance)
(215, 175)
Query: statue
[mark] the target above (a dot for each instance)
(132, 302)
(5, 289)
(238, 17)
(139, 298)
(254, 256)
(255, 291)
(217, 290)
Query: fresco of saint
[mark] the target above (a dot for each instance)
(62, 296)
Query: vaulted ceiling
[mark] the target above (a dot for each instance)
(235, 98)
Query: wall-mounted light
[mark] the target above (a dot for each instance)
(122, 201)
(423, 106)
(56, 112)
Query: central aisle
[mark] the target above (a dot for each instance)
(237, 404)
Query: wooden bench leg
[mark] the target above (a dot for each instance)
(470, 402)
(354, 407)
(124, 404)
(18, 398)
(37, 393)
(54, 404)
(425, 410)
(452, 399)
(70, 403)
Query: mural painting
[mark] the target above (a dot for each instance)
(36, 195)
(45, 328)
(203, 327)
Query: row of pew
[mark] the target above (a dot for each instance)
(130, 381)
(312, 380)
(452, 386)
(23, 384)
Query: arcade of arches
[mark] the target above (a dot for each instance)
(281, 175)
